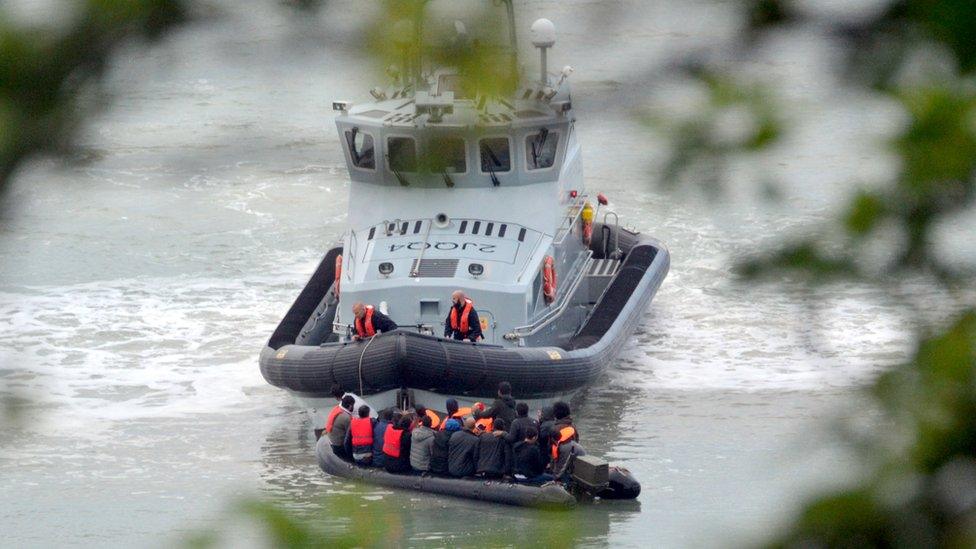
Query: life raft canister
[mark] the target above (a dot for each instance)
(364, 326)
(548, 279)
(462, 325)
(565, 435)
(332, 417)
(361, 429)
(391, 441)
(587, 216)
(338, 275)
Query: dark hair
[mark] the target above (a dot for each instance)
(337, 391)
(426, 421)
(396, 417)
(545, 414)
(364, 411)
(421, 411)
(560, 410)
(452, 406)
(522, 409)
(498, 424)
(404, 423)
(348, 402)
(505, 388)
(531, 432)
(386, 414)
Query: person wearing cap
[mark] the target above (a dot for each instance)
(439, 452)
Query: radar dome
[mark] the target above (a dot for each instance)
(543, 33)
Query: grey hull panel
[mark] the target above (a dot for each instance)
(405, 359)
(552, 496)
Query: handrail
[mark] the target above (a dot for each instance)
(555, 312)
(571, 219)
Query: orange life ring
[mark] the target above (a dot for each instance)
(548, 280)
(338, 274)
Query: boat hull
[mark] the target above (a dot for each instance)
(408, 360)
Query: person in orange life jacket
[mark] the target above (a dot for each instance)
(454, 412)
(369, 322)
(462, 320)
(337, 393)
(396, 446)
(379, 429)
(502, 408)
(563, 439)
(435, 420)
(340, 425)
(359, 437)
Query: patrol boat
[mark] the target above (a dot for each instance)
(503, 216)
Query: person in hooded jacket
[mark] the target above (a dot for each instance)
(462, 451)
(518, 428)
(379, 430)
(503, 407)
(439, 452)
(396, 446)
(546, 422)
(563, 439)
(494, 453)
(421, 445)
(528, 465)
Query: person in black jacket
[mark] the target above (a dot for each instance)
(368, 321)
(516, 433)
(546, 423)
(502, 408)
(528, 465)
(462, 320)
(494, 453)
(462, 451)
(400, 463)
(439, 455)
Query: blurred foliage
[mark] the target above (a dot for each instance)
(45, 71)
(921, 491)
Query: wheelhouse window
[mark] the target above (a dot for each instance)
(495, 155)
(447, 155)
(402, 154)
(361, 149)
(540, 149)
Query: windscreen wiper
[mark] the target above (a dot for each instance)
(537, 145)
(492, 159)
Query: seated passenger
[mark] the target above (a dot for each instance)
(546, 423)
(564, 439)
(340, 425)
(369, 322)
(421, 445)
(435, 420)
(494, 453)
(396, 446)
(528, 465)
(462, 451)
(439, 452)
(516, 432)
(359, 438)
(379, 430)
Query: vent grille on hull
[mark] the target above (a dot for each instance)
(434, 268)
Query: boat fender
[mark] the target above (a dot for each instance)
(338, 274)
(587, 216)
(548, 280)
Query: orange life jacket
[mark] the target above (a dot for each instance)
(361, 429)
(566, 434)
(435, 420)
(487, 422)
(463, 325)
(364, 326)
(459, 415)
(391, 441)
(332, 416)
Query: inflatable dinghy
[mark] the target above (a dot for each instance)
(548, 496)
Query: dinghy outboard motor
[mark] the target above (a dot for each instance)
(592, 477)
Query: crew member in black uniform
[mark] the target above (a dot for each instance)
(370, 322)
(462, 322)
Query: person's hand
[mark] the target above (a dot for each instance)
(498, 433)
